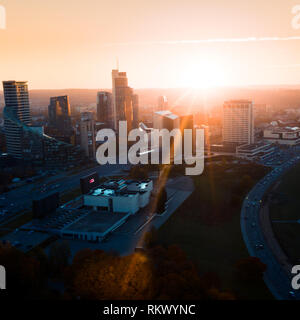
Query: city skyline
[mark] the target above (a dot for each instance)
(149, 151)
(211, 44)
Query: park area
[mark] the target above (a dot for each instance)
(207, 225)
(285, 214)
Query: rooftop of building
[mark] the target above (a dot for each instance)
(253, 146)
(120, 187)
(96, 221)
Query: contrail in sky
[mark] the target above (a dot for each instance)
(213, 40)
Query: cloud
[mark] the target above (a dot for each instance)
(213, 40)
(283, 66)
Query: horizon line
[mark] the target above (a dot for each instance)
(173, 88)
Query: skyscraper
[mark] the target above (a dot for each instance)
(29, 143)
(16, 107)
(105, 108)
(122, 99)
(87, 135)
(59, 113)
(238, 122)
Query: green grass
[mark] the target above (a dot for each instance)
(289, 188)
(288, 234)
(207, 226)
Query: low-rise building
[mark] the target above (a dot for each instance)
(282, 135)
(122, 196)
(255, 151)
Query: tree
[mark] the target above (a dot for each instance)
(59, 257)
(22, 272)
(158, 273)
(104, 276)
(224, 162)
(150, 238)
(246, 182)
(251, 269)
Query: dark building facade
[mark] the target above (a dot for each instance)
(16, 98)
(59, 112)
(105, 108)
(29, 143)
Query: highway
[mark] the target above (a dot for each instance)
(276, 277)
(19, 200)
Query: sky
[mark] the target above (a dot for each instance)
(159, 43)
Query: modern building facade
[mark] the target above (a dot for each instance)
(120, 196)
(17, 107)
(123, 99)
(59, 112)
(256, 151)
(88, 135)
(289, 136)
(29, 143)
(238, 122)
(170, 121)
(105, 111)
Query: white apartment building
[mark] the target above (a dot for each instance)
(121, 196)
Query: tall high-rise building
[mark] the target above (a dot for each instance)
(17, 107)
(238, 122)
(87, 135)
(105, 108)
(162, 103)
(29, 143)
(122, 99)
(59, 112)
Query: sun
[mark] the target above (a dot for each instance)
(202, 75)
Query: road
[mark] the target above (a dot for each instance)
(19, 200)
(276, 277)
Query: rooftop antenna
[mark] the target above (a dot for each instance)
(117, 63)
